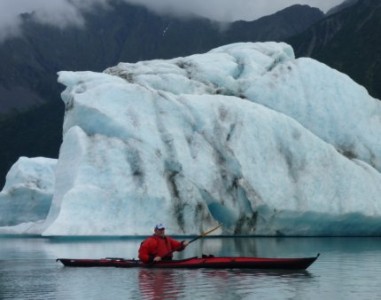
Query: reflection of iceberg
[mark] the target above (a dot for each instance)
(52, 248)
(245, 135)
(18, 248)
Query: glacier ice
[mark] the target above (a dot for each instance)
(244, 135)
(27, 195)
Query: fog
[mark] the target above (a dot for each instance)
(64, 13)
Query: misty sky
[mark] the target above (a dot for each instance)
(68, 12)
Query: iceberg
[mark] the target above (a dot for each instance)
(27, 195)
(245, 135)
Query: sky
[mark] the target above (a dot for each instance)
(68, 12)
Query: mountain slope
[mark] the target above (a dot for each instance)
(124, 33)
(277, 27)
(343, 5)
(349, 41)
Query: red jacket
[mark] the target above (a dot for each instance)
(158, 246)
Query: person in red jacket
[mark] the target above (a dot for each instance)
(159, 246)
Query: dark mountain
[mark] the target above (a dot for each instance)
(349, 41)
(341, 6)
(277, 27)
(125, 33)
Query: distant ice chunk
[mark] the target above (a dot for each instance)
(28, 191)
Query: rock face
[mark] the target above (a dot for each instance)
(244, 135)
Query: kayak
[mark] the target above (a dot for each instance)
(210, 262)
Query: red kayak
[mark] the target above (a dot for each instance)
(196, 263)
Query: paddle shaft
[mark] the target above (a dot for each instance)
(195, 239)
(204, 234)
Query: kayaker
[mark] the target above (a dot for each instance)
(159, 246)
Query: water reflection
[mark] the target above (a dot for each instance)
(157, 284)
(284, 247)
(223, 284)
(40, 248)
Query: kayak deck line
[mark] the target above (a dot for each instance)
(210, 262)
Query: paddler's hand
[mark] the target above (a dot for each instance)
(185, 243)
(157, 258)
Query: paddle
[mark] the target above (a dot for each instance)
(195, 239)
(204, 234)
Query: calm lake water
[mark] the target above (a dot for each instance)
(348, 268)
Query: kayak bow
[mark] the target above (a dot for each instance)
(195, 263)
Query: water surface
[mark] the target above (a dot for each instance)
(348, 268)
